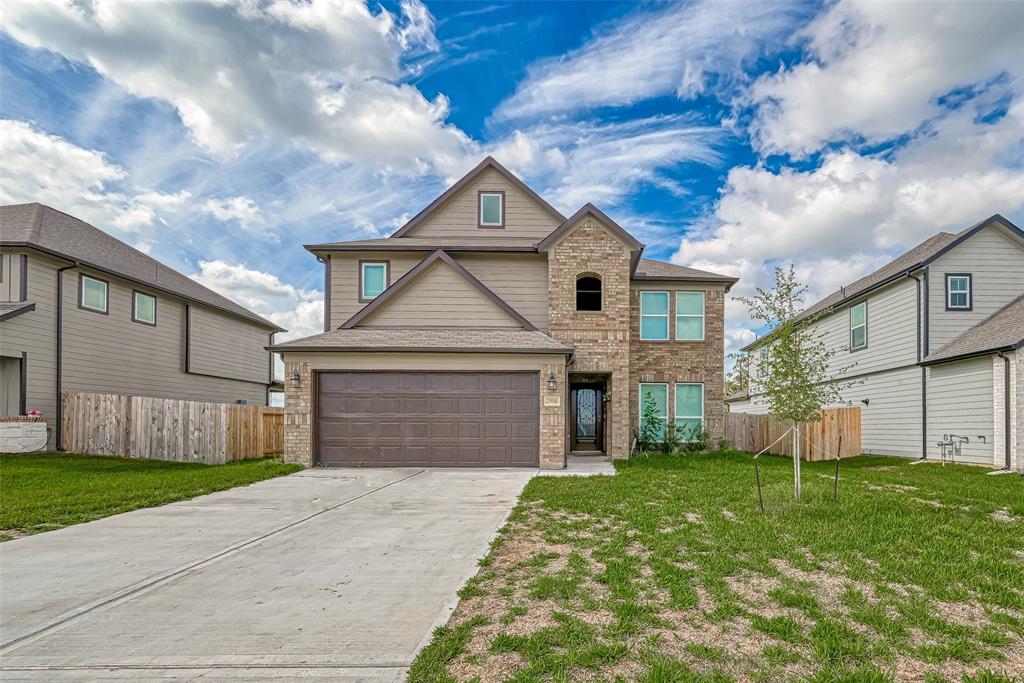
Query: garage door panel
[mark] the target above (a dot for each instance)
(428, 419)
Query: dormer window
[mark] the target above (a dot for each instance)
(588, 293)
(492, 209)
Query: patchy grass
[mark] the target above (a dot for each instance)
(53, 490)
(669, 572)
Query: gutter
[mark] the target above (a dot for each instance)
(413, 349)
(922, 317)
(60, 349)
(999, 350)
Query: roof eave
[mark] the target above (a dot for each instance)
(415, 349)
(973, 354)
(14, 313)
(398, 246)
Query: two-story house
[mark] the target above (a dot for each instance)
(932, 343)
(491, 330)
(82, 311)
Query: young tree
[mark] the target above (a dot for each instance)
(651, 426)
(791, 367)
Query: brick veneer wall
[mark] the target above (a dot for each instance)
(682, 361)
(298, 405)
(600, 339)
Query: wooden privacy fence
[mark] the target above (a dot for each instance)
(820, 439)
(167, 429)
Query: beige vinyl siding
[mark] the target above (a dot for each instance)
(10, 276)
(112, 354)
(226, 347)
(520, 279)
(996, 262)
(35, 334)
(440, 297)
(345, 279)
(460, 214)
(960, 401)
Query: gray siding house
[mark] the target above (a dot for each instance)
(82, 311)
(934, 342)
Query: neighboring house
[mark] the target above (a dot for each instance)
(934, 339)
(490, 330)
(120, 322)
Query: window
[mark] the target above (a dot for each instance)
(859, 326)
(143, 308)
(690, 316)
(689, 412)
(92, 294)
(958, 292)
(492, 209)
(373, 279)
(654, 316)
(658, 393)
(588, 293)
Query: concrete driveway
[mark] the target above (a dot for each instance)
(328, 574)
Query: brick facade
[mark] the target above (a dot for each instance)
(298, 406)
(682, 361)
(600, 339)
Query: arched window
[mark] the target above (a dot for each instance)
(588, 293)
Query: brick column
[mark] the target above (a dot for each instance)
(552, 418)
(298, 419)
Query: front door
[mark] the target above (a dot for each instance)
(587, 417)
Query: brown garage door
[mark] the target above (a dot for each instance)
(437, 419)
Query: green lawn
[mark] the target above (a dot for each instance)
(53, 490)
(669, 572)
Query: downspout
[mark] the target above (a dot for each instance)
(922, 322)
(1006, 409)
(60, 348)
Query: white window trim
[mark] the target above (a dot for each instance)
(950, 292)
(501, 209)
(362, 278)
(864, 325)
(703, 311)
(666, 315)
(675, 392)
(640, 402)
(106, 295)
(135, 308)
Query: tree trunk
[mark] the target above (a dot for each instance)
(796, 460)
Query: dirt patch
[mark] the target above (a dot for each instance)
(11, 534)
(1003, 515)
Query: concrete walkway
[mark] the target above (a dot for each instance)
(327, 574)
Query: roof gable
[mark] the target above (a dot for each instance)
(526, 212)
(1001, 331)
(438, 292)
(576, 220)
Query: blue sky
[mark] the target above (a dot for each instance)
(726, 135)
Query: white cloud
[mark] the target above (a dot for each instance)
(684, 49)
(243, 210)
(48, 169)
(300, 311)
(322, 74)
(879, 70)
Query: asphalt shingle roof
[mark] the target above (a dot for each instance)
(1002, 330)
(648, 269)
(440, 339)
(57, 232)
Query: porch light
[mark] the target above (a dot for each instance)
(295, 381)
(552, 382)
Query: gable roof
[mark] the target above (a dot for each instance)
(487, 163)
(407, 280)
(574, 220)
(1001, 331)
(648, 269)
(920, 256)
(432, 340)
(59, 234)
(469, 243)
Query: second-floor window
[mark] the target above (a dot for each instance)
(373, 279)
(958, 292)
(859, 326)
(143, 308)
(92, 294)
(690, 316)
(588, 293)
(492, 209)
(654, 316)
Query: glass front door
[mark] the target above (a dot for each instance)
(587, 417)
